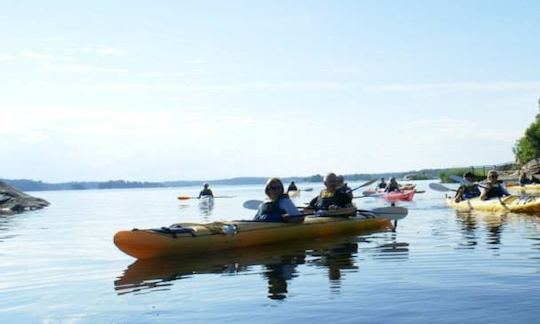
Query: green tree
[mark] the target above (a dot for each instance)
(528, 147)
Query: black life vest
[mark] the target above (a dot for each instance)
(206, 192)
(327, 199)
(271, 212)
(292, 187)
(494, 192)
(470, 191)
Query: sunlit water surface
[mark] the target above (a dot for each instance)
(59, 265)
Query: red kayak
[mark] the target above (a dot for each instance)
(405, 195)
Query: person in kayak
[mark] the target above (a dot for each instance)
(344, 188)
(493, 187)
(524, 180)
(331, 197)
(279, 207)
(292, 187)
(382, 184)
(206, 191)
(468, 189)
(392, 185)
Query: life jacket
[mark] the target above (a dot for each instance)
(524, 181)
(292, 188)
(494, 192)
(392, 187)
(271, 212)
(206, 192)
(327, 199)
(470, 191)
(382, 185)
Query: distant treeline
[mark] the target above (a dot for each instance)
(32, 185)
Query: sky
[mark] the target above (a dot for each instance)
(199, 90)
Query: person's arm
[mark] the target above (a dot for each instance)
(258, 214)
(485, 190)
(288, 206)
(313, 202)
(293, 214)
(504, 190)
(200, 194)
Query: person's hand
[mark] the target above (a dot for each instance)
(333, 207)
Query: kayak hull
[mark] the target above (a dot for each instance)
(533, 188)
(514, 204)
(145, 244)
(406, 195)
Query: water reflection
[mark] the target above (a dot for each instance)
(493, 223)
(279, 264)
(468, 225)
(206, 206)
(392, 250)
(5, 225)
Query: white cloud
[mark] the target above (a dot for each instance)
(34, 55)
(105, 50)
(6, 57)
(457, 87)
(78, 68)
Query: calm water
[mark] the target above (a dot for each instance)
(60, 265)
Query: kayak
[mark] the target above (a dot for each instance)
(191, 238)
(206, 201)
(526, 188)
(146, 274)
(405, 195)
(515, 204)
(293, 193)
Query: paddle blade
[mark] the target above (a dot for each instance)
(439, 187)
(457, 179)
(184, 197)
(392, 213)
(252, 204)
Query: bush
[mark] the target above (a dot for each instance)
(528, 147)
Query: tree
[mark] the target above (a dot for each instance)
(528, 147)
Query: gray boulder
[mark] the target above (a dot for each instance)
(15, 201)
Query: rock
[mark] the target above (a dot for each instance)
(15, 201)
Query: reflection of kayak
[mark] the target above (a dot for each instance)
(515, 204)
(405, 195)
(201, 238)
(206, 201)
(146, 274)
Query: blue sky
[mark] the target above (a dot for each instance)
(166, 90)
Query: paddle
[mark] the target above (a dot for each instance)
(364, 184)
(392, 213)
(440, 187)
(182, 197)
(465, 181)
(252, 204)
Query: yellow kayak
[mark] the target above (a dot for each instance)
(515, 204)
(525, 188)
(192, 238)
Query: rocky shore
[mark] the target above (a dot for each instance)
(13, 200)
